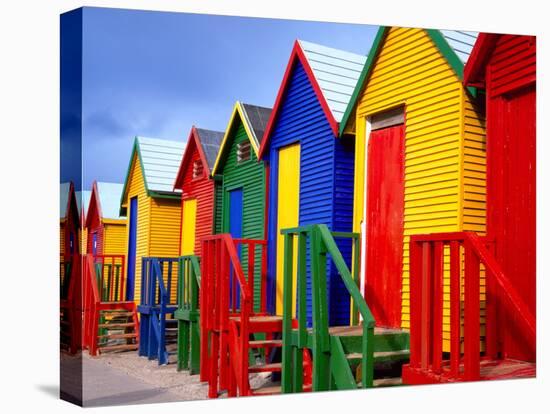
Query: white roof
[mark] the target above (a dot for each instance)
(461, 42)
(161, 160)
(336, 72)
(63, 198)
(109, 199)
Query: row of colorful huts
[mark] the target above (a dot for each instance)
(432, 132)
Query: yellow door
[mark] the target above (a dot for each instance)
(287, 212)
(188, 227)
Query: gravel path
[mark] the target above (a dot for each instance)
(126, 378)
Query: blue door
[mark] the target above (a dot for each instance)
(132, 237)
(94, 244)
(236, 230)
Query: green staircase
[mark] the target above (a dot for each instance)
(343, 357)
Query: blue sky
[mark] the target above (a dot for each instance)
(156, 74)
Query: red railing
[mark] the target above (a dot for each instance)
(111, 277)
(71, 300)
(91, 299)
(226, 293)
(467, 252)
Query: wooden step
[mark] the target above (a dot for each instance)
(118, 336)
(274, 367)
(383, 356)
(266, 342)
(115, 313)
(125, 347)
(116, 325)
(387, 382)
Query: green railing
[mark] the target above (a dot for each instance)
(321, 242)
(187, 314)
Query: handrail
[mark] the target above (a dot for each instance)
(467, 251)
(112, 284)
(504, 283)
(321, 242)
(222, 279)
(187, 294)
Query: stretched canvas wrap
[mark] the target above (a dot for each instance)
(253, 207)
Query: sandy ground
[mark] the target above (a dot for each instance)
(126, 378)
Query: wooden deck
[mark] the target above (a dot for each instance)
(489, 370)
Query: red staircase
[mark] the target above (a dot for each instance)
(110, 321)
(469, 254)
(235, 326)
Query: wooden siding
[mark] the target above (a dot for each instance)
(115, 241)
(164, 236)
(250, 175)
(201, 189)
(444, 137)
(61, 238)
(136, 188)
(218, 206)
(326, 178)
(512, 64)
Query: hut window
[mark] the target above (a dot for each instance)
(197, 168)
(243, 151)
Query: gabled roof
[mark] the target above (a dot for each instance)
(254, 119)
(207, 143)
(454, 45)
(106, 199)
(159, 160)
(83, 198)
(67, 203)
(474, 71)
(333, 74)
(64, 193)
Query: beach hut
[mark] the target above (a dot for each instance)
(240, 204)
(311, 170)
(419, 158)
(197, 188)
(69, 221)
(83, 202)
(106, 228)
(151, 205)
(505, 67)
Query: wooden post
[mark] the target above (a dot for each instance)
(471, 317)
(426, 306)
(287, 368)
(437, 315)
(416, 302)
(455, 307)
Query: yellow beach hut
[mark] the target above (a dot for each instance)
(151, 205)
(419, 157)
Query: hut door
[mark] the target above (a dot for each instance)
(287, 212)
(236, 230)
(384, 221)
(512, 207)
(188, 227)
(132, 238)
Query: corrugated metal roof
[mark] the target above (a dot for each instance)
(336, 72)
(161, 159)
(257, 118)
(461, 42)
(63, 198)
(210, 142)
(109, 199)
(83, 197)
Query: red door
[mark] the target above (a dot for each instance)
(384, 247)
(511, 206)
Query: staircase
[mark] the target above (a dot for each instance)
(158, 328)
(239, 339)
(110, 322)
(466, 361)
(343, 357)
